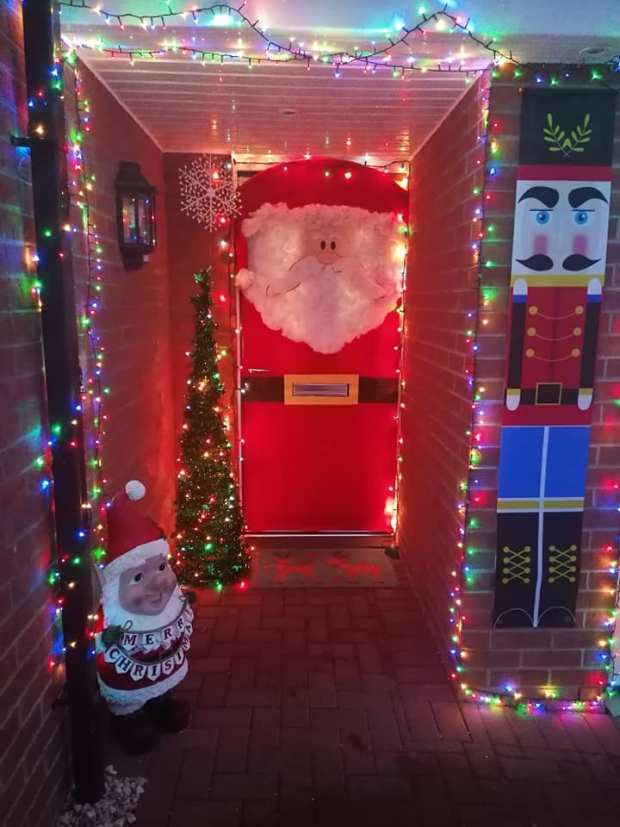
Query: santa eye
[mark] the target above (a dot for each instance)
(162, 566)
(137, 577)
(581, 217)
(333, 245)
(323, 245)
(542, 216)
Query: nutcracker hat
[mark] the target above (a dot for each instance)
(132, 536)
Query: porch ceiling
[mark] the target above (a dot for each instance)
(280, 109)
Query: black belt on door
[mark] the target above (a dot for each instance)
(337, 389)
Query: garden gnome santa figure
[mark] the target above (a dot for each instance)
(141, 652)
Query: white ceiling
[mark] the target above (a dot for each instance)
(189, 107)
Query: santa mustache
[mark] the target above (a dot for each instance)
(542, 263)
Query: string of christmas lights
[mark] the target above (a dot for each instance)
(93, 391)
(223, 14)
(394, 491)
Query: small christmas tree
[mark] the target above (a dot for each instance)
(210, 549)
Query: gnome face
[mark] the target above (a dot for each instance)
(146, 589)
(321, 274)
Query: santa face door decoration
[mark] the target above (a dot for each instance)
(321, 260)
(558, 272)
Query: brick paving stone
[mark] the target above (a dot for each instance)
(384, 729)
(242, 673)
(483, 761)
(481, 815)
(232, 751)
(294, 813)
(495, 722)
(369, 657)
(296, 786)
(363, 786)
(200, 665)
(450, 722)
(194, 778)
(295, 713)
(328, 773)
(527, 730)
(207, 814)
(474, 723)
(606, 731)
(330, 707)
(253, 697)
(236, 786)
(580, 734)
(224, 717)
(214, 690)
(421, 720)
(259, 813)
(357, 752)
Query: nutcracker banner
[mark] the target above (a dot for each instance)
(557, 275)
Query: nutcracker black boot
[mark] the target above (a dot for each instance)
(168, 713)
(136, 733)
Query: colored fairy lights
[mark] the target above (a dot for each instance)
(88, 250)
(210, 548)
(379, 56)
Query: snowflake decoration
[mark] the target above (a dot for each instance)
(208, 191)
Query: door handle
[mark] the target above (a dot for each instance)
(258, 370)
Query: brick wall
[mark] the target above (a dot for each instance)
(533, 659)
(135, 318)
(441, 304)
(33, 763)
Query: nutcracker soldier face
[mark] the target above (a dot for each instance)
(560, 227)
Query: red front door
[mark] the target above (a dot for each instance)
(319, 430)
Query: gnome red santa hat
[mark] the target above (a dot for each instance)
(132, 536)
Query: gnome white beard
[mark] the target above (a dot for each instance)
(115, 615)
(324, 305)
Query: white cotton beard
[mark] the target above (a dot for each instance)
(325, 306)
(115, 615)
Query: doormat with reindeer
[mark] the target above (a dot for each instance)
(346, 568)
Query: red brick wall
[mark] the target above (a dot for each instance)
(534, 659)
(33, 769)
(192, 248)
(442, 290)
(135, 318)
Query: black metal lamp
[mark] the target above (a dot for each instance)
(135, 214)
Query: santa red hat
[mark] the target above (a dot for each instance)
(132, 536)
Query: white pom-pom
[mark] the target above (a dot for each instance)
(135, 490)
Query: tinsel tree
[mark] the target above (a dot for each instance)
(210, 549)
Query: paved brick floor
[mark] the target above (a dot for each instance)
(329, 707)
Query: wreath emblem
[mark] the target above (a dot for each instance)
(560, 142)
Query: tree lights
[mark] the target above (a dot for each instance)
(209, 525)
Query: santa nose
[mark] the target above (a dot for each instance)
(328, 252)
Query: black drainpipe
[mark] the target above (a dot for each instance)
(46, 140)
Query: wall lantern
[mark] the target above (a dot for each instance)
(135, 214)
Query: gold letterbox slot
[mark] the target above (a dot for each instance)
(321, 389)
